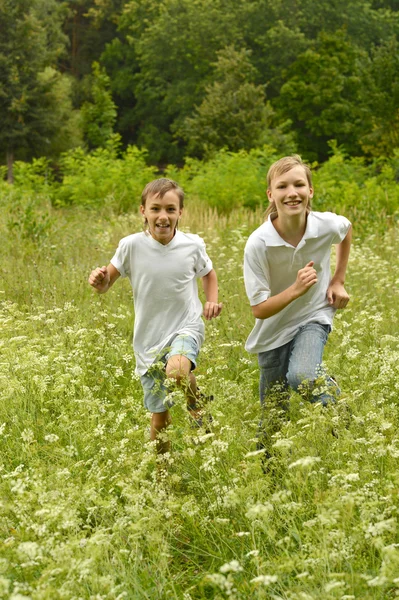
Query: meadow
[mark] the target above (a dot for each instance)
(83, 514)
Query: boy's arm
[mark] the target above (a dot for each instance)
(102, 278)
(305, 279)
(212, 308)
(337, 296)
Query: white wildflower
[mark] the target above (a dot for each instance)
(28, 436)
(51, 437)
(257, 511)
(255, 453)
(233, 566)
(306, 461)
(265, 579)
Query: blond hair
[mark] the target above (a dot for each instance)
(159, 187)
(281, 166)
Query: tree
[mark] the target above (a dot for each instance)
(170, 46)
(323, 96)
(98, 113)
(234, 113)
(31, 39)
(381, 94)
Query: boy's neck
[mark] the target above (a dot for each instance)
(292, 229)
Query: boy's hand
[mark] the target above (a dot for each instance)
(212, 310)
(99, 279)
(305, 279)
(337, 296)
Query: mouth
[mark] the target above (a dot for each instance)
(163, 226)
(293, 203)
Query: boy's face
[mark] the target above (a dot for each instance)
(290, 192)
(162, 215)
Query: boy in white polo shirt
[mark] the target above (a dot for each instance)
(163, 265)
(288, 282)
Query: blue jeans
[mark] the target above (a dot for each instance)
(297, 365)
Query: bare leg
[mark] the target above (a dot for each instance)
(159, 423)
(179, 369)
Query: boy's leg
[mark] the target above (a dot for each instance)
(305, 361)
(159, 422)
(155, 394)
(179, 368)
(273, 367)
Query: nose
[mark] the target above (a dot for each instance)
(163, 215)
(292, 192)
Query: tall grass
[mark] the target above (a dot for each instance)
(83, 514)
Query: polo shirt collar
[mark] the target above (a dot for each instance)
(274, 239)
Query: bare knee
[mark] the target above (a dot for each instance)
(178, 368)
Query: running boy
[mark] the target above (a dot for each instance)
(288, 281)
(163, 264)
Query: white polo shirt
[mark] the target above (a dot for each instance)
(271, 265)
(164, 282)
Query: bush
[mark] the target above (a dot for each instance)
(99, 178)
(229, 180)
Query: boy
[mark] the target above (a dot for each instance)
(288, 281)
(163, 265)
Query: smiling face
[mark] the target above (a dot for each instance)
(290, 192)
(162, 215)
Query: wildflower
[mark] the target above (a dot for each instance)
(259, 510)
(28, 436)
(306, 461)
(233, 566)
(255, 453)
(51, 437)
(265, 579)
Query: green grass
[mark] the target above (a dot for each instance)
(82, 513)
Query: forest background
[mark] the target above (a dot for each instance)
(184, 78)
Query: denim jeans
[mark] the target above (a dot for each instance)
(297, 365)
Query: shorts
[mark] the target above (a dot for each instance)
(155, 391)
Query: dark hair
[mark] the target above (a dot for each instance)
(159, 187)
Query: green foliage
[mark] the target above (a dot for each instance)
(382, 82)
(31, 40)
(367, 194)
(234, 113)
(170, 46)
(228, 180)
(321, 95)
(100, 177)
(98, 114)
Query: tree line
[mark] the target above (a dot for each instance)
(185, 78)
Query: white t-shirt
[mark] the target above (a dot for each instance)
(271, 265)
(165, 292)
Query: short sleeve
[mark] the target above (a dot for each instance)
(256, 274)
(341, 228)
(203, 264)
(121, 258)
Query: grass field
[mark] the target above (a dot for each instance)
(82, 512)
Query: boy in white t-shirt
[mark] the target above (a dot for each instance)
(289, 284)
(163, 265)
